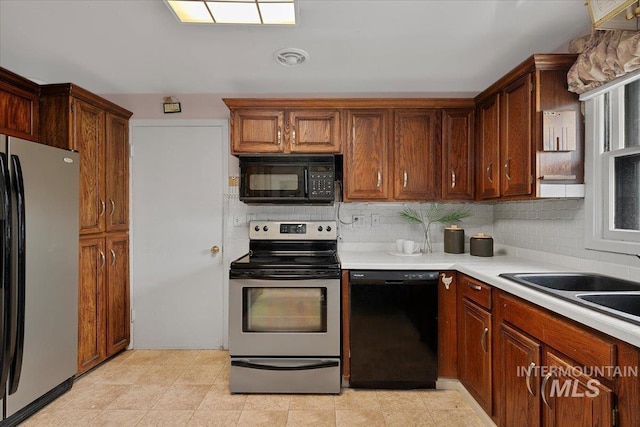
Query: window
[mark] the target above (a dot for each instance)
(612, 114)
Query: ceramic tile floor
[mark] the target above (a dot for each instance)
(190, 388)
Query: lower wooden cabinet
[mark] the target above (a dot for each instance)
(475, 352)
(103, 299)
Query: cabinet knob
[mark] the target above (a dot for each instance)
(453, 179)
(379, 179)
(405, 178)
(215, 249)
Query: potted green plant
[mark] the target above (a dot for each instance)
(435, 213)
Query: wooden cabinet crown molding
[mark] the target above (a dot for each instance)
(349, 103)
(537, 62)
(70, 89)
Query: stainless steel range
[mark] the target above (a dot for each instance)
(284, 310)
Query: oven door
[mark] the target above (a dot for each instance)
(284, 318)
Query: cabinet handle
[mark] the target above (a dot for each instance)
(405, 178)
(293, 134)
(379, 179)
(489, 172)
(507, 169)
(102, 260)
(102, 207)
(542, 389)
(279, 135)
(483, 340)
(453, 179)
(531, 366)
(113, 207)
(474, 286)
(446, 281)
(113, 257)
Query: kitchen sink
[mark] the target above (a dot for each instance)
(574, 282)
(609, 295)
(626, 303)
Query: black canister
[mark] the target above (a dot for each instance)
(481, 245)
(454, 240)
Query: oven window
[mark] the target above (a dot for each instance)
(268, 309)
(273, 182)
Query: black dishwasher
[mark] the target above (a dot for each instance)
(393, 329)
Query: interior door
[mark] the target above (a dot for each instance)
(177, 204)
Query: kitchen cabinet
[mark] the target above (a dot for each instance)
(19, 109)
(512, 158)
(103, 298)
(366, 162)
(536, 352)
(416, 155)
(285, 131)
(457, 154)
(447, 325)
(408, 169)
(76, 119)
(474, 340)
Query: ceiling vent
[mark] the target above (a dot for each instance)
(291, 57)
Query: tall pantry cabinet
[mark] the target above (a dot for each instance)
(76, 119)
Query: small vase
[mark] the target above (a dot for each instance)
(427, 240)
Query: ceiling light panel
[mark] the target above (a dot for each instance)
(271, 12)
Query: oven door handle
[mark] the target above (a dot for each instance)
(298, 367)
(284, 276)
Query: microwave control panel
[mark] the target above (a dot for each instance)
(321, 182)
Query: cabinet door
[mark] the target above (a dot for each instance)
(117, 295)
(457, 154)
(516, 140)
(572, 398)
(366, 163)
(117, 173)
(447, 326)
(488, 155)
(416, 155)
(519, 361)
(89, 128)
(91, 313)
(475, 352)
(314, 131)
(18, 112)
(257, 131)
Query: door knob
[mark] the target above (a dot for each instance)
(215, 249)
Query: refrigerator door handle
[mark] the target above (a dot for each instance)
(18, 187)
(5, 280)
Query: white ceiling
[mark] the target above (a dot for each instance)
(356, 47)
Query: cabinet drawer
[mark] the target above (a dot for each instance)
(581, 345)
(476, 291)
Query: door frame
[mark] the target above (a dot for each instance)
(224, 172)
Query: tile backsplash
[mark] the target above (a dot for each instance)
(542, 229)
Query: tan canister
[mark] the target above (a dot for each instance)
(454, 239)
(481, 245)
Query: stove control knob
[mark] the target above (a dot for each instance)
(265, 228)
(328, 228)
(257, 228)
(320, 228)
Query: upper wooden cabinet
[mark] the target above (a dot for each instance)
(416, 155)
(457, 154)
(19, 115)
(76, 119)
(366, 162)
(511, 159)
(285, 131)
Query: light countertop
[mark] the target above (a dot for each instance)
(487, 269)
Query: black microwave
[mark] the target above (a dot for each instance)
(288, 179)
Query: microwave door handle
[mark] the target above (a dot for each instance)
(306, 183)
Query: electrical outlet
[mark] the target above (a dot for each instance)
(358, 221)
(375, 220)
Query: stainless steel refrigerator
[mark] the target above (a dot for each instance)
(38, 275)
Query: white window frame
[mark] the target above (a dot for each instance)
(599, 167)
